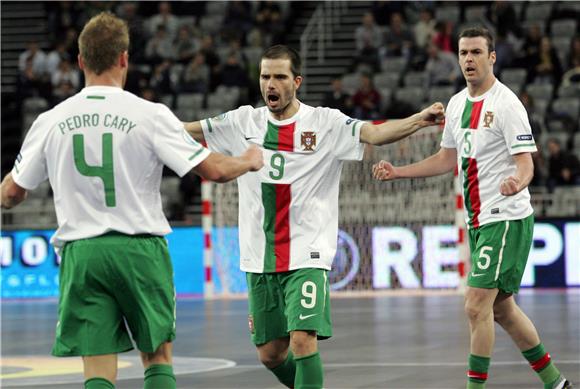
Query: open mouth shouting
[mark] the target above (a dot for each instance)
(273, 99)
(469, 70)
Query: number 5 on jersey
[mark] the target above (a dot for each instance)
(104, 172)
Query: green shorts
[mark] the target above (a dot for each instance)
(288, 301)
(499, 253)
(111, 280)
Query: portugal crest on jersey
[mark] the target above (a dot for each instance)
(488, 119)
(308, 140)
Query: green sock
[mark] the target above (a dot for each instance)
(98, 383)
(477, 373)
(309, 372)
(286, 371)
(159, 377)
(542, 364)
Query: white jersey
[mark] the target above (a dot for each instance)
(487, 131)
(103, 151)
(288, 211)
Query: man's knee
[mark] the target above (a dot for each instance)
(160, 356)
(479, 303)
(303, 342)
(273, 353)
(503, 309)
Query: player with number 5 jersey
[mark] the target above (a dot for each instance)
(488, 137)
(103, 151)
(288, 211)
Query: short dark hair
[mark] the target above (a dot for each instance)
(474, 32)
(285, 52)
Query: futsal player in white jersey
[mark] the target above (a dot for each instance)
(487, 134)
(103, 151)
(288, 211)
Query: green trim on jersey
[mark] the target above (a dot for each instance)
(269, 203)
(96, 97)
(524, 145)
(198, 152)
(271, 138)
(209, 128)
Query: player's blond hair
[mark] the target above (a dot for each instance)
(102, 40)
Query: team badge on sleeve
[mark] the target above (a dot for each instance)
(308, 140)
(488, 119)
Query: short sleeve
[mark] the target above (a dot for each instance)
(219, 130)
(447, 139)
(346, 136)
(174, 146)
(30, 166)
(517, 130)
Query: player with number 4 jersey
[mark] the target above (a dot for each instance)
(103, 151)
(288, 211)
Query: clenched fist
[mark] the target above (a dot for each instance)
(384, 171)
(254, 156)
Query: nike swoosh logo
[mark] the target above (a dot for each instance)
(477, 275)
(304, 317)
(250, 138)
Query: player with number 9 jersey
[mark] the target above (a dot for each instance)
(287, 210)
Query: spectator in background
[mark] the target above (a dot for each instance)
(195, 76)
(212, 60)
(563, 167)
(33, 59)
(54, 58)
(149, 95)
(160, 80)
(63, 15)
(443, 36)
(503, 16)
(233, 73)
(65, 81)
(369, 38)
(128, 11)
(528, 103)
(269, 20)
(400, 40)
(70, 42)
(546, 67)
(159, 47)
(572, 75)
(366, 100)
(441, 68)
(238, 20)
(530, 49)
(424, 29)
(164, 18)
(383, 10)
(185, 45)
(540, 167)
(337, 98)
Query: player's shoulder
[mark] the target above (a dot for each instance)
(457, 99)
(505, 93)
(325, 112)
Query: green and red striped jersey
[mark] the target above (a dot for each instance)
(288, 211)
(487, 131)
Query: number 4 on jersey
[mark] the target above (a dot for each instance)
(104, 172)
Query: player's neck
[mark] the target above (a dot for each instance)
(108, 78)
(290, 111)
(476, 90)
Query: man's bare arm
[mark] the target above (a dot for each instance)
(522, 177)
(12, 193)
(222, 168)
(394, 130)
(440, 163)
(194, 129)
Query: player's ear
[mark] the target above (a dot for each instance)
(124, 59)
(298, 81)
(492, 57)
(80, 62)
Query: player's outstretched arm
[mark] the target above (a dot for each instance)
(393, 130)
(12, 193)
(522, 178)
(194, 129)
(442, 162)
(222, 168)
